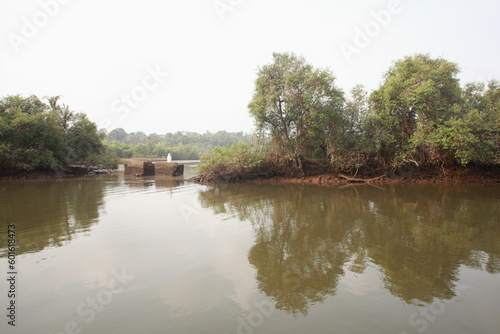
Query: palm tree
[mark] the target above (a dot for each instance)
(65, 115)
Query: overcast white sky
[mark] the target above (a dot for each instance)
(165, 66)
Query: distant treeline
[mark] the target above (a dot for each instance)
(420, 116)
(181, 145)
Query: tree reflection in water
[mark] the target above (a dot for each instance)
(49, 213)
(419, 236)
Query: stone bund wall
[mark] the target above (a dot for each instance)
(154, 168)
(169, 169)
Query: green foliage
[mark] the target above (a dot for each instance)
(118, 135)
(419, 94)
(296, 104)
(107, 159)
(347, 148)
(474, 135)
(239, 156)
(16, 103)
(419, 113)
(205, 140)
(181, 145)
(85, 145)
(38, 136)
(29, 135)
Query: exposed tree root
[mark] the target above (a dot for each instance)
(352, 179)
(318, 172)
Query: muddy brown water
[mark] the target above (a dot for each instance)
(114, 255)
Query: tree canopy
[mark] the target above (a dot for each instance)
(419, 114)
(296, 104)
(35, 135)
(426, 116)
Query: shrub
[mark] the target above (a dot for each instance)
(237, 157)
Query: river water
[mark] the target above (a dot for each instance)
(113, 255)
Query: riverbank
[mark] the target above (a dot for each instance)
(76, 171)
(318, 173)
(38, 175)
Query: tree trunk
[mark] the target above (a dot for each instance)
(300, 166)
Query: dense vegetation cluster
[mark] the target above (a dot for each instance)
(181, 145)
(43, 135)
(420, 115)
(39, 136)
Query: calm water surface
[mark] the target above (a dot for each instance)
(109, 255)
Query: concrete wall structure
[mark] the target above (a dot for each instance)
(150, 167)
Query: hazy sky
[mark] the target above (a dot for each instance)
(166, 66)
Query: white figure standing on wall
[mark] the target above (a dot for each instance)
(169, 157)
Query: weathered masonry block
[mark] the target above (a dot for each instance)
(168, 169)
(154, 168)
(148, 168)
